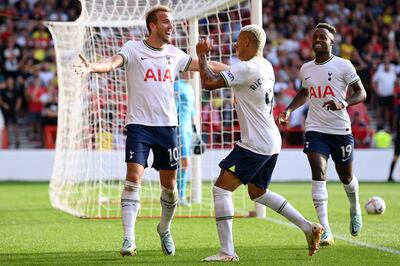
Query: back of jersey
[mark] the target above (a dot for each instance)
(253, 83)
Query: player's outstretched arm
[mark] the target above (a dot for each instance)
(215, 66)
(104, 65)
(298, 101)
(209, 79)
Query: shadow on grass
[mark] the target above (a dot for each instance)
(248, 256)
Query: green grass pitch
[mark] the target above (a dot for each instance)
(33, 233)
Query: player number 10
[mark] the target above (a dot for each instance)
(173, 154)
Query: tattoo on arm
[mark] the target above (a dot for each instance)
(209, 79)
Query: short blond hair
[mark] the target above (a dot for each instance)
(258, 33)
(151, 15)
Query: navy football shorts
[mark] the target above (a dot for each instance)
(341, 147)
(250, 167)
(162, 140)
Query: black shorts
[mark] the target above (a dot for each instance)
(250, 167)
(341, 147)
(163, 141)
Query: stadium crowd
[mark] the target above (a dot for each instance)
(368, 35)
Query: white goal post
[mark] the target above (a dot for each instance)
(89, 166)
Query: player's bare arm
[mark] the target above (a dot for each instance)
(358, 96)
(298, 101)
(215, 66)
(210, 80)
(103, 66)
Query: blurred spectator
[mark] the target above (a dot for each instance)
(11, 102)
(2, 126)
(36, 96)
(12, 55)
(46, 75)
(50, 109)
(383, 83)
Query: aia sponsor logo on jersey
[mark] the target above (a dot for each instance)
(320, 92)
(158, 75)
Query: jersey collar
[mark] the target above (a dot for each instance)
(151, 47)
(326, 61)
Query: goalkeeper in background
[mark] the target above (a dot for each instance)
(184, 98)
(151, 66)
(253, 159)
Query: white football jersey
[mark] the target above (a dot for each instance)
(150, 74)
(253, 82)
(328, 81)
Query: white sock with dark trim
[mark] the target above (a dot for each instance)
(130, 206)
(224, 212)
(168, 200)
(320, 199)
(352, 194)
(282, 206)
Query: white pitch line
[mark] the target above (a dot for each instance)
(343, 238)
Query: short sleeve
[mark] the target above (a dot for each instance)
(238, 74)
(349, 73)
(184, 60)
(124, 52)
(301, 77)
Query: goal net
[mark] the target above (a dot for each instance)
(89, 167)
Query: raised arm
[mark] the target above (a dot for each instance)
(298, 101)
(104, 65)
(209, 79)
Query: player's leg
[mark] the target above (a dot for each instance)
(181, 181)
(226, 183)
(237, 168)
(392, 165)
(166, 161)
(396, 151)
(185, 142)
(342, 147)
(136, 153)
(317, 150)
(258, 193)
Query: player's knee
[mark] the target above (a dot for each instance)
(255, 192)
(133, 177)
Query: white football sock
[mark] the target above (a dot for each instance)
(352, 194)
(224, 212)
(168, 200)
(282, 206)
(320, 199)
(130, 206)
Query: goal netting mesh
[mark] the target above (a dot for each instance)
(89, 167)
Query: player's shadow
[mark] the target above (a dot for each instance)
(249, 256)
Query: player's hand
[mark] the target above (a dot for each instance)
(283, 117)
(203, 47)
(83, 67)
(333, 106)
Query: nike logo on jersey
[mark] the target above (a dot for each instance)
(143, 58)
(307, 78)
(173, 164)
(343, 160)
